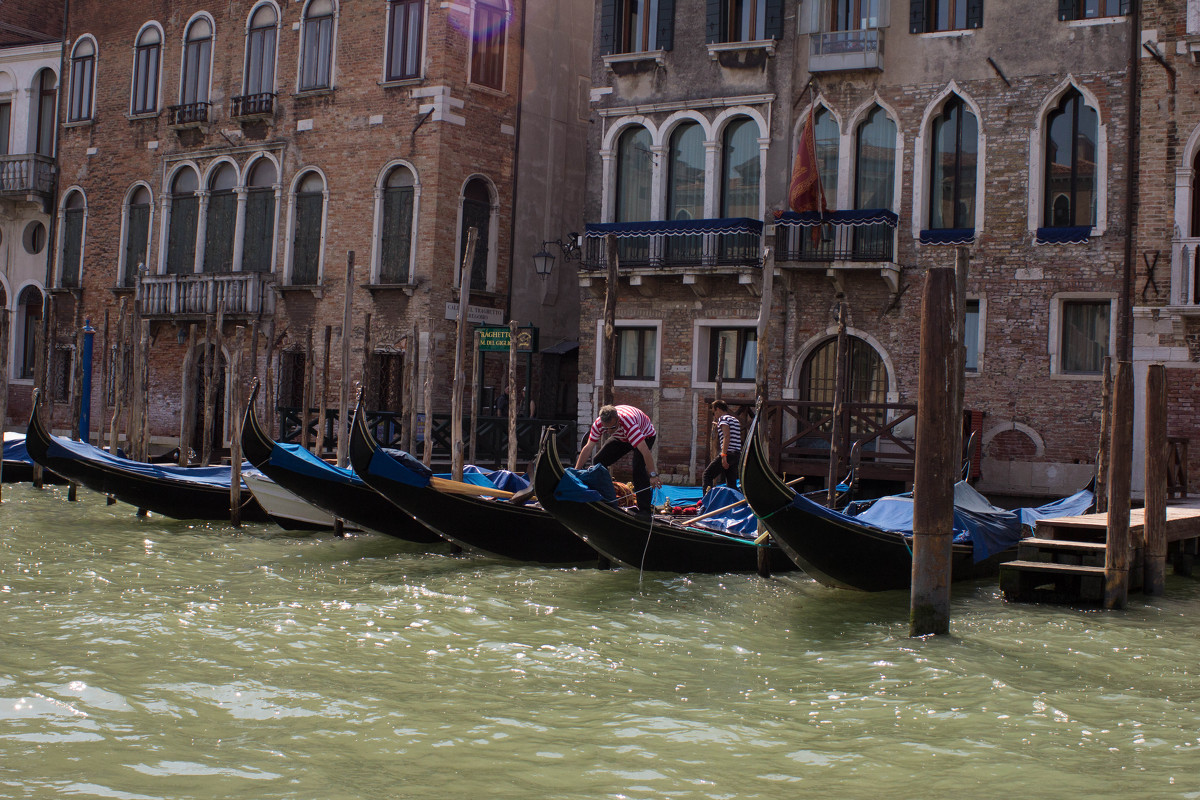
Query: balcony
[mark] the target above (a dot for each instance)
(238, 294)
(838, 51)
(253, 106)
(840, 241)
(29, 176)
(688, 245)
(188, 115)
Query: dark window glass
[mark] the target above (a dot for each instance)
(47, 101)
(1070, 192)
(387, 382)
(853, 15)
(637, 354)
(219, 221)
(1084, 336)
(1091, 9)
(72, 247)
(952, 174)
(181, 231)
(487, 60)
(145, 72)
(306, 242)
(949, 15)
(972, 335)
(31, 308)
(5, 127)
(197, 55)
(83, 66)
(396, 241)
(745, 20)
(477, 213)
(316, 56)
(258, 244)
(260, 52)
(137, 231)
(875, 161)
(739, 170)
(741, 353)
(639, 23)
(291, 379)
(404, 39)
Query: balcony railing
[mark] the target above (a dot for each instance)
(686, 244)
(865, 236)
(846, 50)
(188, 114)
(1185, 272)
(27, 174)
(236, 293)
(254, 105)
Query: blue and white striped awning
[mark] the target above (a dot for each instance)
(1073, 235)
(948, 236)
(674, 227)
(852, 217)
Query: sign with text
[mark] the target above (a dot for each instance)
(497, 339)
(477, 315)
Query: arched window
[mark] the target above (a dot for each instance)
(147, 54)
(953, 158)
(874, 183)
(220, 219)
(396, 236)
(865, 371)
(83, 74)
(181, 231)
(1070, 181)
(404, 39)
(29, 319)
(487, 55)
(137, 234)
(47, 103)
(827, 138)
(306, 237)
(258, 235)
(685, 191)
(316, 46)
(635, 170)
(74, 211)
(197, 57)
(740, 169)
(476, 213)
(260, 52)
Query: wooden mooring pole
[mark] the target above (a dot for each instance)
(4, 317)
(343, 421)
(1155, 524)
(475, 384)
(936, 462)
(235, 427)
(323, 402)
(1102, 451)
(427, 402)
(460, 345)
(187, 415)
(306, 390)
(511, 408)
(761, 384)
(610, 322)
(210, 391)
(1117, 551)
(838, 427)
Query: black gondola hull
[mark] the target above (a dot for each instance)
(489, 527)
(652, 544)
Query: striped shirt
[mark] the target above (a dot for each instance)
(633, 426)
(734, 444)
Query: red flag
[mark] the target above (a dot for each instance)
(804, 192)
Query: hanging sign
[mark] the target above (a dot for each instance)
(478, 315)
(497, 339)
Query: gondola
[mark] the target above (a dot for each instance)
(284, 508)
(491, 527)
(177, 492)
(338, 491)
(18, 466)
(843, 551)
(651, 543)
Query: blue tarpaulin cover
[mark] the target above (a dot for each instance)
(14, 448)
(740, 520)
(678, 495)
(400, 467)
(988, 528)
(495, 479)
(295, 458)
(590, 485)
(217, 477)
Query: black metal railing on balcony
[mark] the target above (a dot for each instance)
(188, 113)
(253, 105)
(866, 235)
(173, 296)
(27, 174)
(694, 243)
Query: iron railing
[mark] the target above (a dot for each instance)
(253, 105)
(874, 242)
(188, 113)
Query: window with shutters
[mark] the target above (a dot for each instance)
(181, 227)
(147, 58)
(405, 21)
(931, 16)
(259, 77)
(477, 213)
(197, 63)
(74, 213)
(83, 77)
(308, 224)
(258, 233)
(396, 226)
(636, 26)
(137, 235)
(743, 20)
(316, 45)
(219, 220)
(490, 26)
(1091, 9)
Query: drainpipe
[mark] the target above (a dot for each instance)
(512, 217)
(1125, 303)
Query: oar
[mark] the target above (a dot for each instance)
(716, 511)
(458, 487)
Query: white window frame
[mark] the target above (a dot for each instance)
(212, 53)
(701, 333)
(1037, 153)
(658, 344)
(921, 161)
(162, 40)
(123, 243)
(246, 44)
(62, 233)
(89, 114)
(1055, 343)
(333, 51)
(980, 350)
(377, 227)
(290, 245)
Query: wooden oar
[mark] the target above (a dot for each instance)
(458, 487)
(716, 511)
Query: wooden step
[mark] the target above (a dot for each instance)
(1051, 567)
(1063, 544)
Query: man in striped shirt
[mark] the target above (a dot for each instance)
(729, 436)
(629, 430)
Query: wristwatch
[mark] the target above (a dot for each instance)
(653, 474)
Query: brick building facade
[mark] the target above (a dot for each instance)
(1002, 129)
(238, 152)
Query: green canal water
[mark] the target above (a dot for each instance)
(145, 658)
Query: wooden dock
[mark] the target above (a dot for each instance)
(1065, 560)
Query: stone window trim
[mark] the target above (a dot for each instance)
(377, 227)
(921, 161)
(659, 57)
(657, 324)
(1054, 343)
(1037, 149)
(715, 49)
(981, 349)
(701, 332)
